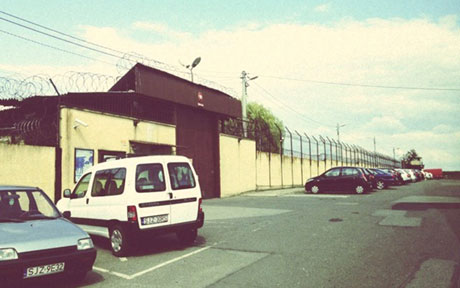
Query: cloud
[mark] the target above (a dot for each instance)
(322, 8)
(396, 52)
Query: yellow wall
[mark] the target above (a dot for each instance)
(237, 165)
(105, 132)
(28, 166)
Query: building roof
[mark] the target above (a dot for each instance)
(158, 84)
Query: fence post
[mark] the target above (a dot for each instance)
(341, 152)
(330, 148)
(301, 157)
(281, 141)
(292, 157)
(309, 150)
(317, 154)
(325, 153)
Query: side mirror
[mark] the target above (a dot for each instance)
(67, 193)
(66, 214)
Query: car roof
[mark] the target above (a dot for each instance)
(141, 160)
(14, 187)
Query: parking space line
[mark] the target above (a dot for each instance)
(121, 275)
(317, 196)
(130, 277)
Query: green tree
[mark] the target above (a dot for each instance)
(265, 128)
(412, 160)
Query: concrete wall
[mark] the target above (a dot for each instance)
(237, 165)
(105, 132)
(28, 166)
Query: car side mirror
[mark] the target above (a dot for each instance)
(67, 193)
(66, 214)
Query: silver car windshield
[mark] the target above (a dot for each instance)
(17, 205)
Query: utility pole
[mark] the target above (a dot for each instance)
(338, 130)
(244, 95)
(375, 153)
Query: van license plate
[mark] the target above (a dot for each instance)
(154, 219)
(44, 270)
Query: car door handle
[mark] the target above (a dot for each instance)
(87, 200)
(170, 195)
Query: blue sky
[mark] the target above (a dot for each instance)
(301, 50)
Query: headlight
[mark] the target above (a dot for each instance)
(309, 180)
(85, 244)
(8, 254)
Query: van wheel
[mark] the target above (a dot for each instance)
(119, 241)
(187, 236)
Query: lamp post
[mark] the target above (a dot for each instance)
(244, 95)
(338, 130)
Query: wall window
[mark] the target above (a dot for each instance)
(181, 176)
(109, 182)
(150, 178)
(84, 159)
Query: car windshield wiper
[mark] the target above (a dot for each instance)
(14, 220)
(34, 215)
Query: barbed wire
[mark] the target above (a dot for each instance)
(40, 85)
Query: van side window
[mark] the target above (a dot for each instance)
(82, 187)
(181, 176)
(150, 178)
(109, 182)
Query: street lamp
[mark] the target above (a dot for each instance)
(338, 130)
(193, 65)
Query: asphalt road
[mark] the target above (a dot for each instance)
(397, 237)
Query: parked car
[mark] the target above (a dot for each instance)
(404, 175)
(382, 179)
(397, 175)
(412, 175)
(339, 179)
(37, 241)
(126, 199)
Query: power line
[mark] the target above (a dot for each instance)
(362, 85)
(290, 108)
(55, 48)
(61, 33)
(61, 39)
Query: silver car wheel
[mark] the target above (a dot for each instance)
(359, 189)
(314, 189)
(116, 240)
(380, 185)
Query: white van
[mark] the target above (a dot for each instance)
(123, 199)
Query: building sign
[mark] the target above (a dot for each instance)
(84, 159)
(200, 100)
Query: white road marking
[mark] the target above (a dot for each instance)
(347, 203)
(121, 275)
(130, 277)
(318, 196)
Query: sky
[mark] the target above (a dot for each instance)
(388, 70)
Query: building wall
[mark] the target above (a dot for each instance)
(237, 165)
(26, 165)
(105, 132)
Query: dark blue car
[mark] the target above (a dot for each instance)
(382, 179)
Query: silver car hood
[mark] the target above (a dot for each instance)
(40, 234)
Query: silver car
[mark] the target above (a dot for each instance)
(36, 240)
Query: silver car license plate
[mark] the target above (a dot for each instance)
(44, 270)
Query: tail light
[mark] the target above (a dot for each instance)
(200, 209)
(132, 213)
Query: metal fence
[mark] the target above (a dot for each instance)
(301, 151)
